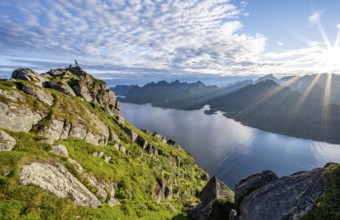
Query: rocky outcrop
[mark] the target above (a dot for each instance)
(72, 81)
(288, 197)
(103, 189)
(253, 182)
(7, 142)
(57, 129)
(57, 180)
(213, 190)
(96, 90)
(131, 134)
(28, 75)
(38, 93)
(16, 118)
(60, 86)
(59, 150)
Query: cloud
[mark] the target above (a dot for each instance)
(172, 34)
(280, 43)
(338, 25)
(314, 18)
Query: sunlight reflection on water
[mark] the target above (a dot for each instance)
(228, 149)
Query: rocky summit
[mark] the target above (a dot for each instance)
(67, 153)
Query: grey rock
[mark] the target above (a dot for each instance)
(57, 180)
(142, 142)
(12, 95)
(7, 142)
(214, 189)
(28, 75)
(168, 191)
(288, 197)
(251, 183)
(113, 202)
(202, 211)
(101, 154)
(79, 168)
(53, 131)
(78, 131)
(82, 91)
(108, 159)
(116, 146)
(59, 150)
(16, 118)
(158, 191)
(99, 90)
(95, 154)
(122, 149)
(61, 87)
(132, 135)
(38, 93)
(56, 73)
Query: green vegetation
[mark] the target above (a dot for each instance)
(328, 206)
(136, 175)
(135, 179)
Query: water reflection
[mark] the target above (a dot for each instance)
(228, 149)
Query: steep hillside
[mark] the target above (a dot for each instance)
(66, 153)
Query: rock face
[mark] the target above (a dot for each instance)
(289, 197)
(7, 142)
(57, 180)
(253, 182)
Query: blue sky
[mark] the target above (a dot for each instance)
(143, 38)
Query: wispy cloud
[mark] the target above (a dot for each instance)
(170, 34)
(141, 36)
(314, 18)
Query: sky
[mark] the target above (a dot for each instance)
(140, 39)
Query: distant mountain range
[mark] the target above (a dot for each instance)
(306, 107)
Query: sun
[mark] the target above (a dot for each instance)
(330, 57)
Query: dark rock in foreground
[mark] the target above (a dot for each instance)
(288, 197)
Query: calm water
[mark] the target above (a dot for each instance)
(228, 149)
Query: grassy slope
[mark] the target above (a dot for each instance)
(136, 173)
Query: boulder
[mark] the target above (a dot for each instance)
(28, 75)
(38, 93)
(82, 91)
(57, 180)
(53, 131)
(251, 183)
(7, 142)
(132, 135)
(16, 118)
(59, 150)
(214, 189)
(289, 197)
(61, 87)
(12, 95)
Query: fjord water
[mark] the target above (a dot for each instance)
(228, 149)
